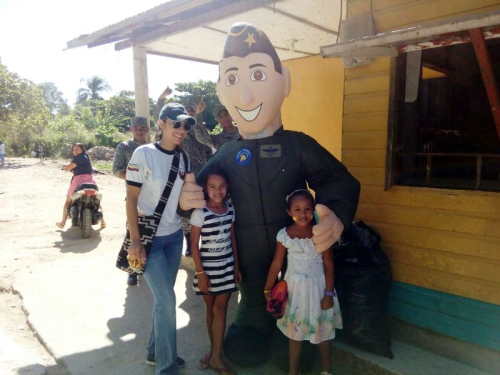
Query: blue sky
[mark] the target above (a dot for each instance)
(34, 33)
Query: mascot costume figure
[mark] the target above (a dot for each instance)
(264, 165)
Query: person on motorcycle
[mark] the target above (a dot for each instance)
(82, 173)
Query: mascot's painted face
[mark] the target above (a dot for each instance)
(252, 82)
(253, 93)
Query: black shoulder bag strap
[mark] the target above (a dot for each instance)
(149, 224)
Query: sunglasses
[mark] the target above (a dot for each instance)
(178, 124)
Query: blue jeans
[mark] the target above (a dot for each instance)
(2, 157)
(161, 270)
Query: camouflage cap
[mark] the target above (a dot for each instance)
(138, 121)
(218, 109)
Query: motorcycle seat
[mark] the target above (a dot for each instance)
(87, 186)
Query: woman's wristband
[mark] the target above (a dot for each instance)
(267, 291)
(199, 272)
(330, 293)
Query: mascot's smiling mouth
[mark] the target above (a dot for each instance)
(250, 115)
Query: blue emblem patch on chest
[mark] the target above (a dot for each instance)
(243, 156)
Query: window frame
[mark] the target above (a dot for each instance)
(396, 101)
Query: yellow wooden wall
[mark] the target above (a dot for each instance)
(397, 14)
(444, 240)
(315, 102)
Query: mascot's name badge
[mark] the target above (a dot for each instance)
(270, 151)
(243, 156)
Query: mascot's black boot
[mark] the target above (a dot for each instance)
(254, 338)
(246, 347)
(249, 347)
(247, 342)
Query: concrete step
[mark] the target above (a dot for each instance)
(408, 360)
(419, 351)
(448, 347)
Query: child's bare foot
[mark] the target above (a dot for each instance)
(225, 370)
(221, 367)
(60, 225)
(103, 224)
(204, 362)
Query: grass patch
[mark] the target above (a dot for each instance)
(103, 166)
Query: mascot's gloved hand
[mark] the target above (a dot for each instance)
(191, 195)
(329, 229)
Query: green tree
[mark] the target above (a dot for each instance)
(61, 133)
(124, 105)
(105, 125)
(191, 93)
(23, 114)
(92, 105)
(95, 86)
(54, 98)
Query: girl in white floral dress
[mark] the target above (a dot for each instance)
(312, 309)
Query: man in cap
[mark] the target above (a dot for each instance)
(139, 129)
(229, 129)
(264, 165)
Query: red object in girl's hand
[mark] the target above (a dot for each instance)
(276, 305)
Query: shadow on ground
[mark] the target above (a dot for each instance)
(14, 165)
(130, 333)
(72, 241)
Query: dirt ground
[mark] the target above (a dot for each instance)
(31, 199)
(64, 307)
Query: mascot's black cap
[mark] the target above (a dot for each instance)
(244, 39)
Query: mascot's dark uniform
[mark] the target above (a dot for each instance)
(261, 173)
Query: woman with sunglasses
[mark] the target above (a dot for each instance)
(147, 175)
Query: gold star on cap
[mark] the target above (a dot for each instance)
(250, 40)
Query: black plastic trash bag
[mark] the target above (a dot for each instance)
(362, 280)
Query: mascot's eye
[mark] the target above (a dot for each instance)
(232, 79)
(258, 75)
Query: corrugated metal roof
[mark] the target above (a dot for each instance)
(196, 29)
(133, 22)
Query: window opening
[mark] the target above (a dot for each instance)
(442, 131)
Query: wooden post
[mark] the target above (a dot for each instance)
(479, 165)
(141, 84)
(429, 170)
(489, 80)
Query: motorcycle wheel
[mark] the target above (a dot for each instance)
(86, 222)
(73, 214)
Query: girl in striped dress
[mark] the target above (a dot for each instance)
(216, 262)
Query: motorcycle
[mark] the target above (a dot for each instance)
(84, 211)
